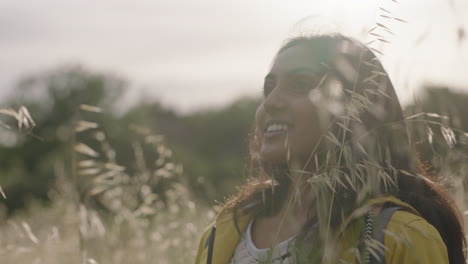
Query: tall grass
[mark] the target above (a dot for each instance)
(102, 212)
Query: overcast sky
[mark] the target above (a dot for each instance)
(190, 54)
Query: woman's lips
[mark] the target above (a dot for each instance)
(273, 134)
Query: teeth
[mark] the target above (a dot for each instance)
(276, 127)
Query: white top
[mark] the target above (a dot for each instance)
(247, 253)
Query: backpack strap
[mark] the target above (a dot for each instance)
(210, 245)
(381, 223)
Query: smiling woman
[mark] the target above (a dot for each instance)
(287, 112)
(335, 178)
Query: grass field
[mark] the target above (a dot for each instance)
(62, 233)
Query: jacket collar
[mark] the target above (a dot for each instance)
(228, 235)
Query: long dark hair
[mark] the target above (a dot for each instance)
(372, 154)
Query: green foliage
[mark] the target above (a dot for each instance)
(27, 164)
(214, 147)
(212, 144)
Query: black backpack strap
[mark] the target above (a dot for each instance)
(210, 245)
(381, 223)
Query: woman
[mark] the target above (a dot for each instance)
(335, 178)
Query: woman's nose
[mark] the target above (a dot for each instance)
(275, 100)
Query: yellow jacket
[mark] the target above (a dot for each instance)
(408, 238)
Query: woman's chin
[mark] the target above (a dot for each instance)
(273, 158)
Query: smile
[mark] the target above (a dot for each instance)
(276, 127)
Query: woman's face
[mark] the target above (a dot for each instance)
(287, 122)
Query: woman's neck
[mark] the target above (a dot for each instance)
(292, 214)
(299, 200)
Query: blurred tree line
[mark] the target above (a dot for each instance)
(211, 144)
